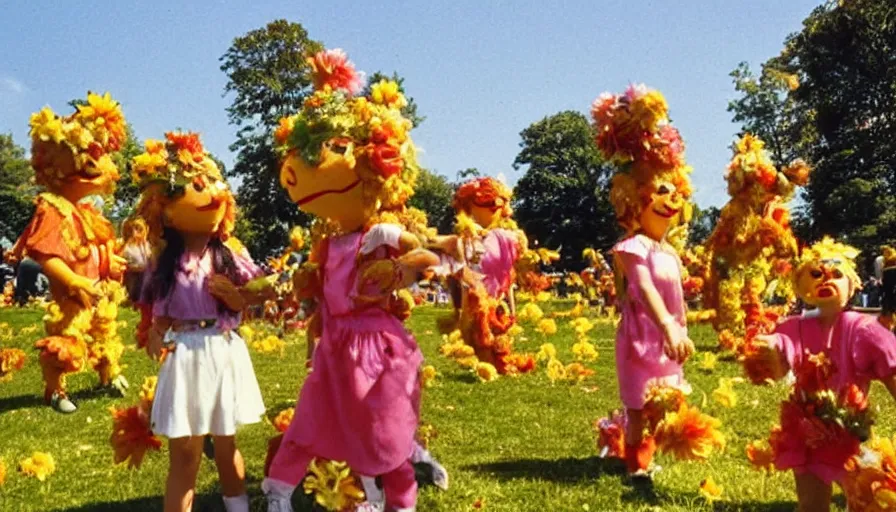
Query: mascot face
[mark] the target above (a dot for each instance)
(198, 207)
(332, 189)
(824, 284)
(662, 208)
(485, 215)
(97, 174)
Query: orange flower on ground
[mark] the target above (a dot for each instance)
(2, 472)
(283, 419)
(660, 401)
(11, 360)
(761, 455)
(710, 490)
(40, 465)
(611, 435)
(688, 434)
(578, 372)
(485, 371)
(132, 436)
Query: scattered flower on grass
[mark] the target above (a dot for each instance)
(547, 326)
(485, 371)
(708, 362)
(283, 419)
(710, 490)
(547, 352)
(428, 376)
(40, 465)
(333, 485)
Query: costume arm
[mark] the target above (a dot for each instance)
(58, 271)
(874, 351)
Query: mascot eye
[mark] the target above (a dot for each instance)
(198, 186)
(816, 273)
(664, 190)
(837, 273)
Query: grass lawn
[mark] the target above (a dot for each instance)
(516, 444)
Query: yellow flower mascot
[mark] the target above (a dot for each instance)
(834, 353)
(752, 246)
(349, 160)
(75, 244)
(649, 194)
(196, 286)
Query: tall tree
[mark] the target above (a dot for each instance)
(702, 223)
(563, 197)
(126, 191)
(16, 188)
(433, 195)
(269, 78)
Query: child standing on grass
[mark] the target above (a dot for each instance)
(206, 385)
(648, 193)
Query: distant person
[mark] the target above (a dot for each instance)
(26, 280)
(137, 252)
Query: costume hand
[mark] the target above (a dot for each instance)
(305, 280)
(384, 275)
(225, 291)
(452, 246)
(117, 266)
(84, 290)
(676, 345)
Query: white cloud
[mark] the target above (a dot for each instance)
(12, 85)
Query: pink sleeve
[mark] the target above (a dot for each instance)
(634, 267)
(246, 269)
(787, 340)
(632, 245)
(874, 350)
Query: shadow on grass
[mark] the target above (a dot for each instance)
(554, 470)
(36, 399)
(14, 403)
(466, 378)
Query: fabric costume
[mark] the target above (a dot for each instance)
(640, 359)
(861, 350)
(207, 384)
(361, 402)
(82, 238)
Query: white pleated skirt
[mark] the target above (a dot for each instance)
(206, 386)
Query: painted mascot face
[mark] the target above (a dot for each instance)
(662, 209)
(198, 207)
(824, 284)
(97, 175)
(332, 189)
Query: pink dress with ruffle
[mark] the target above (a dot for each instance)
(360, 404)
(861, 350)
(501, 248)
(640, 360)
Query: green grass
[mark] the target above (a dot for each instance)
(517, 444)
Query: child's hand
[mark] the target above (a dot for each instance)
(154, 342)
(676, 345)
(224, 290)
(84, 290)
(762, 361)
(384, 275)
(117, 266)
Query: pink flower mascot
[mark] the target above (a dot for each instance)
(350, 161)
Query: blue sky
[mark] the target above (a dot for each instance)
(480, 70)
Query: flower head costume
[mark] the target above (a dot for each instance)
(72, 159)
(752, 246)
(349, 160)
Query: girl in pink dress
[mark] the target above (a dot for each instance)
(648, 193)
(829, 349)
(360, 404)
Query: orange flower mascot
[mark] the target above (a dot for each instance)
(835, 354)
(75, 244)
(482, 280)
(350, 161)
(649, 194)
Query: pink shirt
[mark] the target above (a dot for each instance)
(189, 298)
(860, 348)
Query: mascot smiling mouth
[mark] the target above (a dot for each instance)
(307, 199)
(214, 204)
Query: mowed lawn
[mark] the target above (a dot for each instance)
(513, 445)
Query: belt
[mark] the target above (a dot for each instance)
(192, 325)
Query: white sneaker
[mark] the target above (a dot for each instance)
(439, 473)
(278, 494)
(279, 503)
(369, 506)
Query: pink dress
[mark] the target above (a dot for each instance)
(861, 350)
(501, 250)
(360, 404)
(640, 360)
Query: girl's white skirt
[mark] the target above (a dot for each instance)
(206, 386)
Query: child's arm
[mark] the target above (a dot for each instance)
(676, 346)
(156, 336)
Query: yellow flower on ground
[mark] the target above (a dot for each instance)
(547, 352)
(556, 371)
(40, 465)
(485, 371)
(531, 313)
(584, 351)
(2, 472)
(547, 326)
(724, 394)
(246, 332)
(333, 485)
(581, 325)
(428, 375)
(284, 418)
(269, 344)
(708, 361)
(543, 297)
(468, 361)
(515, 330)
(710, 490)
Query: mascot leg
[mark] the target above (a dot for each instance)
(59, 356)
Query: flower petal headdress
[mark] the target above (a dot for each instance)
(828, 250)
(370, 127)
(177, 161)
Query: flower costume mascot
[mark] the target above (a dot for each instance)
(482, 281)
(194, 291)
(75, 244)
(835, 354)
(648, 193)
(350, 161)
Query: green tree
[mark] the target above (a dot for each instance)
(126, 191)
(433, 195)
(563, 197)
(16, 189)
(702, 223)
(268, 78)
(468, 174)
